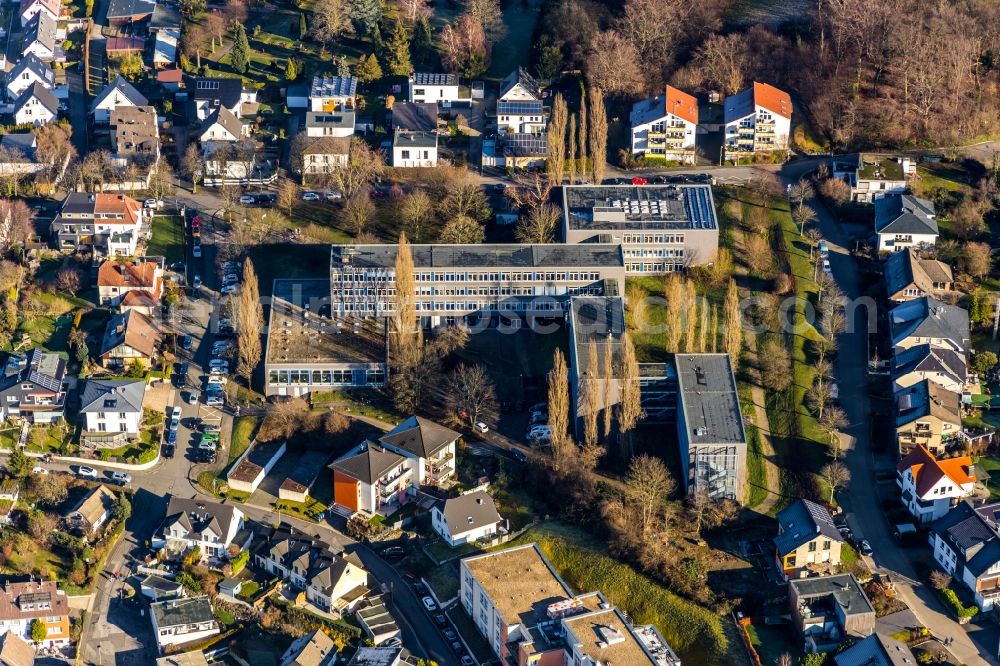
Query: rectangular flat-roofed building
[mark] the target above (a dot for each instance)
(307, 350)
(594, 323)
(713, 443)
(662, 228)
(456, 281)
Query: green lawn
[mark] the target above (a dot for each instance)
(771, 642)
(243, 429)
(756, 470)
(697, 634)
(50, 319)
(168, 238)
(991, 465)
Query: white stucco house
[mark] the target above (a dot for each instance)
(903, 220)
(757, 120)
(966, 545)
(414, 149)
(180, 621)
(113, 406)
(439, 88)
(467, 518)
(209, 526)
(665, 126)
(931, 487)
(36, 106)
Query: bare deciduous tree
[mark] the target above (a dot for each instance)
(358, 211)
(471, 392)
(648, 486)
(415, 210)
(613, 64)
(836, 476)
(726, 59)
(539, 225)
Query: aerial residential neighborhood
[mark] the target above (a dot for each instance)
(499, 332)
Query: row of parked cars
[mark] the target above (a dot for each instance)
(539, 431)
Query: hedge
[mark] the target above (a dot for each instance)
(960, 610)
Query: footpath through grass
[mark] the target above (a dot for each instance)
(697, 634)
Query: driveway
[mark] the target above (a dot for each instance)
(861, 499)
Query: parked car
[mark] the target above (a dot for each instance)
(865, 548)
(175, 411)
(333, 195)
(150, 203)
(482, 427)
(86, 472)
(824, 249)
(441, 620)
(248, 200)
(826, 267)
(196, 223)
(174, 423)
(538, 418)
(210, 427)
(223, 366)
(310, 196)
(229, 289)
(187, 342)
(518, 455)
(267, 199)
(121, 478)
(171, 437)
(429, 604)
(196, 250)
(168, 451)
(39, 470)
(193, 396)
(215, 400)
(196, 283)
(467, 660)
(450, 634)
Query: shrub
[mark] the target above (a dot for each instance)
(960, 610)
(240, 561)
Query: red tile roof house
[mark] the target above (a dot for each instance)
(129, 285)
(108, 224)
(23, 602)
(130, 336)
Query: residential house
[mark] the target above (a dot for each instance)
(908, 276)
(519, 105)
(931, 487)
(19, 153)
(208, 94)
(117, 93)
(30, 8)
(333, 93)
(665, 126)
(196, 523)
(876, 650)
(378, 477)
(130, 337)
(165, 17)
(92, 512)
(24, 601)
(338, 124)
(872, 177)
(40, 40)
(10, 490)
(158, 588)
(112, 409)
(36, 106)
(758, 119)
(165, 48)
(927, 415)
(467, 518)
(526, 272)
(30, 69)
(136, 284)
(379, 656)
(313, 649)
(109, 223)
(298, 361)
(231, 162)
(713, 443)
(807, 540)
(661, 228)
(325, 155)
(827, 609)
(180, 621)
(135, 133)
(415, 116)
(16, 651)
(331, 580)
(221, 125)
(928, 321)
(966, 544)
(171, 80)
(902, 221)
(33, 387)
(528, 614)
(123, 12)
(435, 88)
(414, 149)
(944, 367)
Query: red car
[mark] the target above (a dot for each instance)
(195, 223)
(639, 180)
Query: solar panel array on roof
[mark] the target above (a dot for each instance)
(525, 144)
(519, 108)
(435, 79)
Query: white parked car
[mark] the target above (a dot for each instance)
(196, 283)
(310, 196)
(247, 200)
(215, 400)
(219, 364)
(482, 427)
(333, 195)
(150, 203)
(175, 412)
(229, 289)
(39, 470)
(429, 604)
(121, 477)
(86, 472)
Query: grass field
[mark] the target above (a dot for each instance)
(50, 320)
(243, 429)
(698, 635)
(756, 472)
(168, 238)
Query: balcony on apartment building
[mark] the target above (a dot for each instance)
(440, 468)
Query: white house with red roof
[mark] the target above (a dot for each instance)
(757, 120)
(30, 8)
(130, 285)
(664, 126)
(931, 487)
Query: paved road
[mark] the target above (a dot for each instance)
(861, 499)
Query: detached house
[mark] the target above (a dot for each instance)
(907, 276)
(519, 106)
(331, 580)
(828, 609)
(195, 523)
(21, 603)
(20, 157)
(966, 544)
(902, 221)
(117, 93)
(209, 94)
(31, 8)
(758, 119)
(135, 133)
(29, 70)
(325, 155)
(414, 149)
(36, 106)
(436, 88)
(93, 511)
(807, 539)
(221, 125)
(333, 93)
(928, 321)
(112, 407)
(313, 649)
(130, 286)
(872, 177)
(16, 651)
(378, 477)
(944, 367)
(33, 387)
(927, 415)
(40, 38)
(931, 487)
(665, 126)
(130, 337)
(108, 224)
(467, 518)
(180, 621)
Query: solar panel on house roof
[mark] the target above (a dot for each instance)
(434, 79)
(525, 144)
(519, 108)
(208, 84)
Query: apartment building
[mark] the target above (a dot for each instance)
(665, 126)
(307, 350)
(807, 540)
(207, 94)
(33, 387)
(909, 276)
(927, 415)
(378, 477)
(903, 220)
(713, 444)
(872, 177)
(529, 615)
(966, 544)
(24, 601)
(478, 284)
(108, 224)
(180, 621)
(661, 228)
(209, 526)
(931, 487)
(757, 120)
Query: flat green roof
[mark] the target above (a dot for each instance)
(880, 167)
